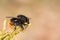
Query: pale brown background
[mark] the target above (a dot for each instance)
(44, 14)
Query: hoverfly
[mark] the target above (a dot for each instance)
(20, 21)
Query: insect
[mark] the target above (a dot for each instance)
(20, 21)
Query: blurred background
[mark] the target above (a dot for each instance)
(44, 14)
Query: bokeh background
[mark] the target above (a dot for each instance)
(44, 17)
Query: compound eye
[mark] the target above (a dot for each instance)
(23, 18)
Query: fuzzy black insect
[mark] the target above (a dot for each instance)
(20, 20)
